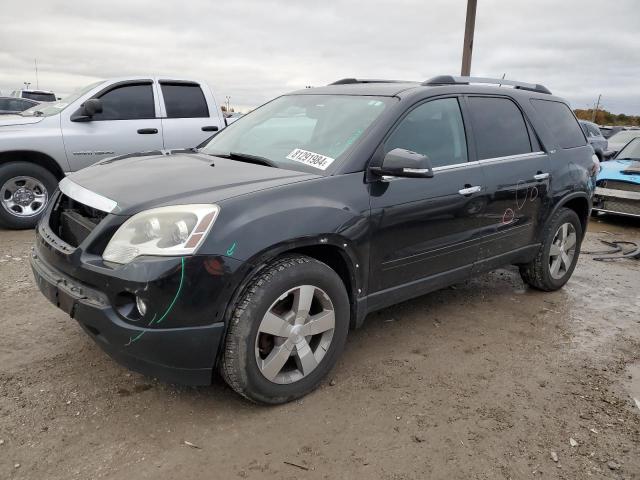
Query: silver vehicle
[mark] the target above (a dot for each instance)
(108, 118)
(620, 139)
(15, 105)
(37, 95)
(595, 138)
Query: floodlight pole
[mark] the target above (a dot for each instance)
(467, 47)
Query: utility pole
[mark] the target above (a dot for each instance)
(35, 60)
(227, 99)
(595, 112)
(469, 28)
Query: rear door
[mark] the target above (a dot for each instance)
(425, 229)
(188, 117)
(127, 124)
(516, 170)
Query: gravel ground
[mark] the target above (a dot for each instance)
(486, 379)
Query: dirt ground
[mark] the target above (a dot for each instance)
(481, 380)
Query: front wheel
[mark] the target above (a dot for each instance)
(25, 189)
(287, 330)
(553, 265)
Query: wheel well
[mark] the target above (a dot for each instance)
(581, 207)
(45, 161)
(335, 258)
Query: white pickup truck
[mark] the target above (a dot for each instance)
(112, 117)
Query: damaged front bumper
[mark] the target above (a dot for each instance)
(620, 202)
(178, 336)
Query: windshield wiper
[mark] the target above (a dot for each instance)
(247, 157)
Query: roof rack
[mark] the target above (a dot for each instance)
(451, 80)
(348, 81)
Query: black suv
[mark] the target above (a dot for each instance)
(256, 252)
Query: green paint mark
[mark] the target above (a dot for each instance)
(136, 338)
(173, 302)
(164, 315)
(232, 249)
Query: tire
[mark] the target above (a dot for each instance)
(539, 273)
(35, 185)
(275, 289)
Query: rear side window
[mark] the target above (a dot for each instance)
(128, 102)
(593, 130)
(499, 127)
(561, 122)
(184, 100)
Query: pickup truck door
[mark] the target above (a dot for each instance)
(189, 113)
(128, 124)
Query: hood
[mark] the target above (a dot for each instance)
(154, 179)
(625, 170)
(8, 120)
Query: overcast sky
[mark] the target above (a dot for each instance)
(253, 50)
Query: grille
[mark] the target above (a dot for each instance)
(619, 185)
(620, 205)
(72, 221)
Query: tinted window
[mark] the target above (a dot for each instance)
(593, 130)
(15, 104)
(434, 129)
(40, 97)
(128, 102)
(184, 101)
(498, 127)
(561, 122)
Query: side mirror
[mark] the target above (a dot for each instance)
(404, 163)
(88, 109)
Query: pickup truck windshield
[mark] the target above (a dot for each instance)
(299, 132)
(48, 109)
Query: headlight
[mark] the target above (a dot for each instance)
(174, 230)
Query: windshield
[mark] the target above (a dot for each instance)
(624, 137)
(48, 109)
(39, 96)
(631, 151)
(299, 132)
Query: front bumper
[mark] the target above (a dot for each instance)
(620, 202)
(188, 296)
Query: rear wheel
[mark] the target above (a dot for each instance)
(287, 331)
(558, 254)
(25, 189)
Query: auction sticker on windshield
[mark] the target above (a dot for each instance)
(310, 158)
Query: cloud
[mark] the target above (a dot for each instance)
(253, 50)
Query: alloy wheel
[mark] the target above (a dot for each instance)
(562, 251)
(295, 334)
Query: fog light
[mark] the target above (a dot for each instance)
(141, 306)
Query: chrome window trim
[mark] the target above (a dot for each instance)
(489, 160)
(86, 197)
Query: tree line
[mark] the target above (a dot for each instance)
(607, 118)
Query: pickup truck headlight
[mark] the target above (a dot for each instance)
(166, 231)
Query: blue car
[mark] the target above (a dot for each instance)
(618, 183)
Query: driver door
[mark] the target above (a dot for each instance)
(127, 124)
(426, 231)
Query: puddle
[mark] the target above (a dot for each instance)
(633, 384)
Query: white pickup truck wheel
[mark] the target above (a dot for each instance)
(25, 189)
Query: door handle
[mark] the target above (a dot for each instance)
(210, 128)
(470, 190)
(147, 131)
(540, 176)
